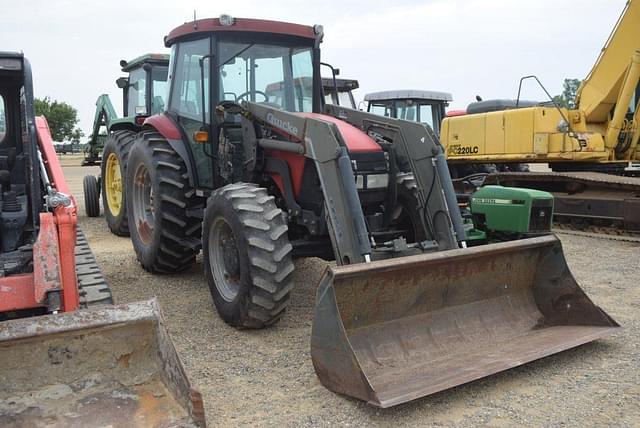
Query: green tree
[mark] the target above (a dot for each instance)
(62, 119)
(569, 91)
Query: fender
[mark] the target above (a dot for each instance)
(165, 125)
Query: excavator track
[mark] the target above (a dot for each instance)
(589, 202)
(608, 233)
(92, 287)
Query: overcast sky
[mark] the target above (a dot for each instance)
(465, 47)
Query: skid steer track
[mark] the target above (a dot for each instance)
(92, 287)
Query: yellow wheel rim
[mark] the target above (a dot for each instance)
(113, 184)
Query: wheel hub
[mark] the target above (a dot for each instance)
(143, 212)
(224, 259)
(113, 184)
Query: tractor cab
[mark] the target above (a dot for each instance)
(426, 107)
(339, 91)
(224, 60)
(144, 90)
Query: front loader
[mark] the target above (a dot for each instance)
(256, 180)
(68, 356)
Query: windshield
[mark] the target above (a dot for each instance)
(278, 75)
(345, 99)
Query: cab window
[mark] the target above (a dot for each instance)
(406, 110)
(186, 98)
(278, 75)
(159, 88)
(380, 109)
(3, 120)
(426, 115)
(137, 96)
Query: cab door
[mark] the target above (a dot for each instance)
(189, 101)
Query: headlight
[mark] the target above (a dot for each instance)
(360, 182)
(377, 181)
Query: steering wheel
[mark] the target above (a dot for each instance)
(244, 94)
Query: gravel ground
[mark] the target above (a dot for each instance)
(266, 378)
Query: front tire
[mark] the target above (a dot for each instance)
(247, 256)
(165, 220)
(113, 171)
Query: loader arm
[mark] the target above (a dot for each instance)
(321, 141)
(104, 116)
(417, 146)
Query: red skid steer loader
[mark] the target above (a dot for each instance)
(68, 357)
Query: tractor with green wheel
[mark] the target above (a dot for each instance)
(144, 94)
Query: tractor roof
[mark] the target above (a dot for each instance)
(408, 94)
(11, 61)
(226, 23)
(150, 58)
(343, 84)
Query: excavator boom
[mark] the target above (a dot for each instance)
(599, 91)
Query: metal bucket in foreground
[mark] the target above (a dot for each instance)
(113, 366)
(395, 330)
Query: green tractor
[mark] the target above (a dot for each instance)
(144, 94)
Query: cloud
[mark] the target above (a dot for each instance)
(465, 47)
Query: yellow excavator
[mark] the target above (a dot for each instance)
(588, 147)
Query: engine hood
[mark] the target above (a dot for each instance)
(356, 140)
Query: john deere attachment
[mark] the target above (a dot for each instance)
(113, 366)
(395, 330)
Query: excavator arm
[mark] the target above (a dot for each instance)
(600, 90)
(606, 93)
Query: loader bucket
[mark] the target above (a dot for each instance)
(395, 330)
(114, 366)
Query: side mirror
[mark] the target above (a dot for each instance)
(122, 82)
(336, 71)
(146, 67)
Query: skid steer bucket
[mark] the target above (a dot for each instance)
(114, 366)
(395, 330)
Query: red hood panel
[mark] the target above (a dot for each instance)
(357, 141)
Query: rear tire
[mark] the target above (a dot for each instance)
(113, 171)
(91, 192)
(165, 215)
(247, 256)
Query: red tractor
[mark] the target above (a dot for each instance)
(257, 177)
